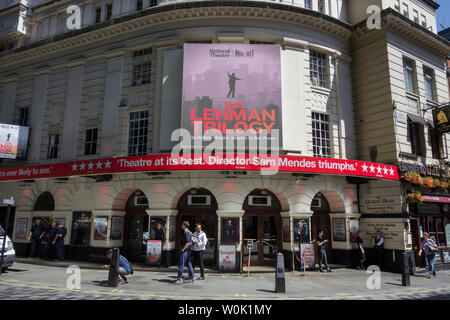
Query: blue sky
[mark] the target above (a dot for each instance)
(443, 14)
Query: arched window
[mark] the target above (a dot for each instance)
(45, 202)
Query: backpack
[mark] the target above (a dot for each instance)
(194, 242)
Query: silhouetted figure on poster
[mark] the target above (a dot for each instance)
(232, 83)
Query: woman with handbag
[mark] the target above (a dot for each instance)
(430, 247)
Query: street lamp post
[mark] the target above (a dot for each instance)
(9, 202)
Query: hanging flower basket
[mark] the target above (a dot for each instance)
(415, 197)
(429, 182)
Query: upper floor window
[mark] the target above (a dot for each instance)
(416, 16)
(397, 5)
(53, 141)
(23, 117)
(428, 75)
(108, 11)
(321, 135)
(318, 69)
(90, 141)
(139, 5)
(405, 10)
(142, 66)
(153, 3)
(138, 133)
(424, 20)
(321, 6)
(417, 138)
(308, 4)
(437, 145)
(98, 14)
(409, 74)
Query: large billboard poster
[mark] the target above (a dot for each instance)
(13, 141)
(231, 87)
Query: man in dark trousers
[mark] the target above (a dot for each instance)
(232, 84)
(35, 236)
(378, 246)
(59, 241)
(185, 253)
(50, 249)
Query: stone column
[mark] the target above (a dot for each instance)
(231, 214)
(111, 102)
(72, 110)
(168, 250)
(37, 114)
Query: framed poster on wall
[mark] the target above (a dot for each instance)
(154, 249)
(354, 227)
(301, 230)
(81, 228)
(100, 228)
(286, 229)
(158, 228)
(116, 228)
(21, 228)
(230, 233)
(339, 230)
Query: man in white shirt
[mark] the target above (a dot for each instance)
(198, 247)
(378, 247)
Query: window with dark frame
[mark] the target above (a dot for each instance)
(435, 226)
(53, 141)
(138, 133)
(321, 135)
(90, 141)
(318, 69)
(416, 132)
(409, 75)
(139, 5)
(98, 14)
(308, 4)
(437, 145)
(321, 6)
(23, 117)
(108, 11)
(142, 66)
(153, 3)
(428, 75)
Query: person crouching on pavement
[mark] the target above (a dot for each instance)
(185, 242)
(125, 268)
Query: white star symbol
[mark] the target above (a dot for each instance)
(99, 165)
(82, 166)
(107, 164)
(391, 171)
(90, 165)
(385, 170)
(378, 169)
(372, 168)
(364, 167)
(74, 167)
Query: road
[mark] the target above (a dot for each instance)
(29, 281)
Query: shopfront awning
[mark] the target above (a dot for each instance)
(419, 120)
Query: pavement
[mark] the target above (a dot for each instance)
(31, 281)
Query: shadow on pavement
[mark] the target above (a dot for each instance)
(394, 284)
(10, 270)
(264, 290)
(172, 281)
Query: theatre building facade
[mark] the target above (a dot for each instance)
(103, 105)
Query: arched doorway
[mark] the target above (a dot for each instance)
(320, 220)
(262, 226)
(199, 206)
(136, 227)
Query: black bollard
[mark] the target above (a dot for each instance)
(280, 283)
(113, 278)
(406, 282)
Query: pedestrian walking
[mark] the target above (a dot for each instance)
(378, 248)
(322, 246)
(50, 248)
(125, 267)
(35, 236)
(185, 242)
(198, 247)
(361, 251)
(430, 247)
(59, 241)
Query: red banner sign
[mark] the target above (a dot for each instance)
(165, 162)
(441, 199)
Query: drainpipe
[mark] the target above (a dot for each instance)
(338, 101)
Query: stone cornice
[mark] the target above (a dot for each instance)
(177, 13)
(392, 20)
